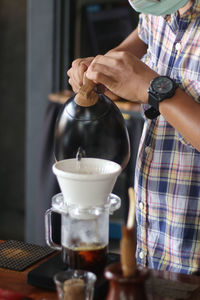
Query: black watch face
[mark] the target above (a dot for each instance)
(162, 85)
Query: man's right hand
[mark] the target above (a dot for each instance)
(76, 72)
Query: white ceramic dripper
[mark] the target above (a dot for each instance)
(86, 182)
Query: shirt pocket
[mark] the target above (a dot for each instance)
(150, 60)
(186, 71)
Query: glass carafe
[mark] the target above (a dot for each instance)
(84, 232)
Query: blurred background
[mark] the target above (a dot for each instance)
(13, 28)
(39, 40)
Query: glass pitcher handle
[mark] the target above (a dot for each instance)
(48, 230)
(114, 203)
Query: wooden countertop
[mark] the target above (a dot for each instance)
(17, 282)
(161, 285)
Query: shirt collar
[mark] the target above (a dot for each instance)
(194, 9)
(174, 19)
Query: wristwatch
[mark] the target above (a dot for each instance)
(161, 87)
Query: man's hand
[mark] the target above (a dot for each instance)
(76, 72)
(123, 74)
(76, 76)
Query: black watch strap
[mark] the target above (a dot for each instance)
(153, 101)
(152, 113)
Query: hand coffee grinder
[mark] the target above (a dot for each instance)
(91, 149)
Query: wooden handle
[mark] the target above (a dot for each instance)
(128, 243)
(128, 250)
(86, 95)
(131, 213)
(88, 82)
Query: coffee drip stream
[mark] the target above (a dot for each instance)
(80, 153)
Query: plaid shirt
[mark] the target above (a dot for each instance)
(168, 170)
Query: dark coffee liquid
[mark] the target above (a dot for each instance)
(87, 257)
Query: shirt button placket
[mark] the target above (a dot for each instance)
(141, 205)
(178, 46)
(141, 255)
(142, 251)
(147, 150)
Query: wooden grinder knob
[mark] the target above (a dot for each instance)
(87, 96)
